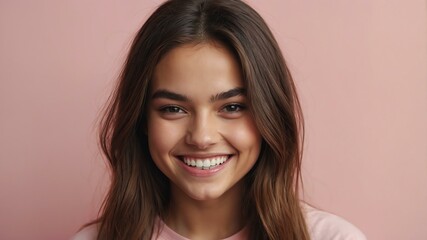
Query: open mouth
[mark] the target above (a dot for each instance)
(205, 163)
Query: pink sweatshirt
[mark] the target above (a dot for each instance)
(321, 225)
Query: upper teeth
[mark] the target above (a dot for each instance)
(205, 163)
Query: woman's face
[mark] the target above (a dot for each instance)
(200, 131)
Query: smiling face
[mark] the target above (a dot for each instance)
(200, 131)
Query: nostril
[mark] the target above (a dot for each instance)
(201, 141)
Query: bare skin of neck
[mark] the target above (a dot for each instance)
(212, 219)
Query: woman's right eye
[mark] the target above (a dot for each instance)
(171, 109)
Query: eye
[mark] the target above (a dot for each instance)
(233, 108)
(171, 110)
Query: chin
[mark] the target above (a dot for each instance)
(209, 193)
(207, 196)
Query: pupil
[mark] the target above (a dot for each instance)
(232, 108)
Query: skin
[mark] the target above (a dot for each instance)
(189, 116)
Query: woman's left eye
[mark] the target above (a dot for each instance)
(232, 108)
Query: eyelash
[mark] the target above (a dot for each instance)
(238, 108)
(171, 109)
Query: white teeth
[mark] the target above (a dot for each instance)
(199, 164)
(205, 163)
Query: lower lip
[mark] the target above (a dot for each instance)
(203, 172)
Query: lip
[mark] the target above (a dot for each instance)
(203, 155)
(196, 172)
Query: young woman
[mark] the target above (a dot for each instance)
(203, 134)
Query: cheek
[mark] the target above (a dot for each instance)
(163, 136)
(244, 136)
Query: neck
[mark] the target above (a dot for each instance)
(206, 219)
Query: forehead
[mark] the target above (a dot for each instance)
(196, 67)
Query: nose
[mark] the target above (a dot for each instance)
(202, 132)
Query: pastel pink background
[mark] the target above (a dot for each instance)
(360, 66)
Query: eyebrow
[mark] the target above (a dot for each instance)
(228, 94)
(163, 93)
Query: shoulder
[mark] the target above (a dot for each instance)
(87, 233)
(326, 226)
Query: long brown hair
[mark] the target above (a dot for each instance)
(139, 190)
